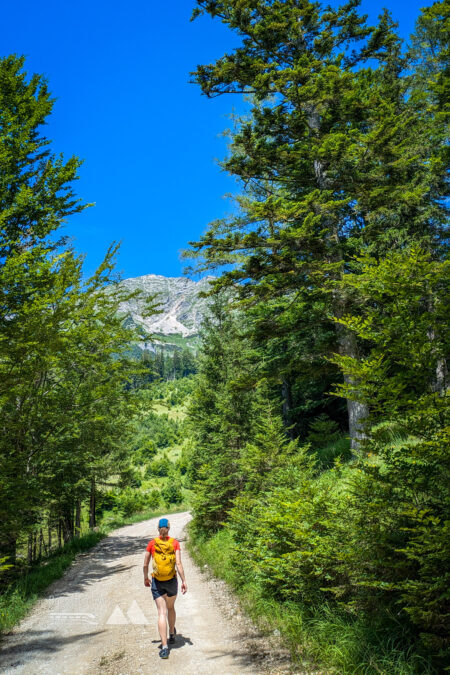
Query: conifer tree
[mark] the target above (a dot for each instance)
(331, 154)
(220, 414)
(402, 496)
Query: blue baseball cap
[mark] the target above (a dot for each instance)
(163, 522)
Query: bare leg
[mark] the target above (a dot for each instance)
(162, 618)
(171, 614)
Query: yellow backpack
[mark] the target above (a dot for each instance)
(163, 559)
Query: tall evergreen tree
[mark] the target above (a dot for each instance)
(334, 156)
(221, 414)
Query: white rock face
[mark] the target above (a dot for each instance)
(182, 308)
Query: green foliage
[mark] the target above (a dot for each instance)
(318, 636)
(336, 257)
(146, 451)
(336, 158)
(402, 321)
(336, 451)
(167, 367)
(368, 539)
(287, 534)
(400, 519)
(156, 430)
(66, 407)
(159, 467)
(322, 431)
(172, 492)
(36, 192)
(127, 501)
(153, 499)
(220, 415)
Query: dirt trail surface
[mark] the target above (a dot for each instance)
(99, 618)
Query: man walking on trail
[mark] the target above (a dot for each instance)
(166, 559)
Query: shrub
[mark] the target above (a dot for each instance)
(172, 493)
(323, 432)
(159, 467)
(153, 499)
(131, 501)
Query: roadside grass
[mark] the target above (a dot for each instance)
(22, 593)
(318, 638)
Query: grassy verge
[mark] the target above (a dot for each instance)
(324, 637)
(21, 595)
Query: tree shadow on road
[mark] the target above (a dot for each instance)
(25, 645)
(101, 562)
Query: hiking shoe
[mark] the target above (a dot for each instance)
(172, 636)
(164, 653)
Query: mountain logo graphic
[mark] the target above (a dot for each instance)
(134, 615)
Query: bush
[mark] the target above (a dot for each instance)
(159, 467)
(130, 477)
(323, 432)
(172, 493)
(145, 452)
(153, 499)
(337, 450)
(127, 501)
(288, 536)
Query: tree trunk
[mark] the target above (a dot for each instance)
(44, 545)
(439, 384)
(67, 523)
(30, 549)
(78, 518)
(49, 537)
(441, 376)
(356, 411)
(59, 533)
(346, 340)
(92, 521)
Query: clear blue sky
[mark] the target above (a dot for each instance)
(120, 72)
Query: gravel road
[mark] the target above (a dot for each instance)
(99, 618)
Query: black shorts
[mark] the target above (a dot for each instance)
(160, 588)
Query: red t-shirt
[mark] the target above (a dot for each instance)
(151, 545)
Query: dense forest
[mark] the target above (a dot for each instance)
(309, 434)
(320, 457)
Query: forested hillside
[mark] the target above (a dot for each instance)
(320, 419)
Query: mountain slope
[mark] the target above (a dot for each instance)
(182, 309)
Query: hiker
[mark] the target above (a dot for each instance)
(166, 554)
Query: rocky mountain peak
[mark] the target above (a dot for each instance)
(179, 297)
